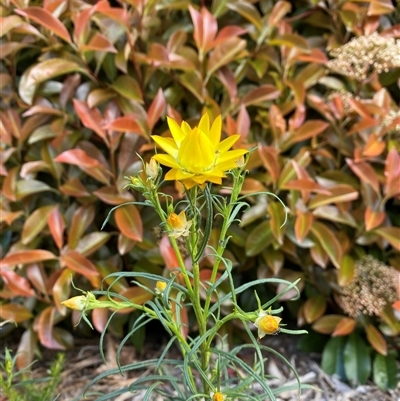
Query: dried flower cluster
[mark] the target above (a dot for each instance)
(361, 56)
(344, 97)
(372, 287)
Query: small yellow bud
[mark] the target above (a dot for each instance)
(267, 324)
(218, 396)
(179, 225)
(77, 303)
(160, 287)
(152, 169)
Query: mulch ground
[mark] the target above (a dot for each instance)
(83, 363)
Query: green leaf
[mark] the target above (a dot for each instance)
(128, 87)
(259, 239)
(357, 360)
(328, 241)
(44, 71)
(385, 371)
(332, 357)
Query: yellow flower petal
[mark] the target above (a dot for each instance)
(185, 127)
(227, 143)
(215, 132)
(178, 175)
(166, 144)
(196, 152)
(230, 155)
(166, 160)
(204, 124)
(176, 131)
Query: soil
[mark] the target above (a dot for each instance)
(83, 363)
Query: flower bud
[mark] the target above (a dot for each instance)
(160, 287)
(267, 324)
(77, 303)
(178, 224)
(151, 169)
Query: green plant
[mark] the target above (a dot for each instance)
(85, 85)
(197, 156)
(16, 385)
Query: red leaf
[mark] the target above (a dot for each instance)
(78, 263)
(308, 130)
(205, 29)
(26, 256)
(91, 118)
(81, 220)
(328, 241)
(99, 43)
(344, 327)
(47, 20)
(17, 284)
(365, 173)
(227, 32)
(303, 224)
(126, 124)
(269, 157)
(373, 218)
(304, 184)
(156, 109)
(376, 339)
(56, 226)
(79, 158)
(261, 94)
(168, 254)
(129, 222)
(392, 173)
(45, 328)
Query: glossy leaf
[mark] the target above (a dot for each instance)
(205, 29)
(280, 9)
(81, 220)
(45, 323)
(344, 327)
(346, 270)
(78, 157)
(302, 225)
(376, 339)
(261, 94)
(26, 256)
(329, 242)
(224, 53)
(91, 242)
(326, 324)
(44, 71)
(365, 173)
(391, 235)
(82, 265)
(56, 225)
(339, 193)
(258, 239)
(62, 289)
(91, 118)
(129, 222)
(35, 223)
(157, 109)
(47, 20)
(357, 360)
(309, 129)
(332, 357)
(314, 308)
(385, 371)
(128, 87)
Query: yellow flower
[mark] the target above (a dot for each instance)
(197, 155)
(160, 287)
(218, 396)
(178, 224)
(267, 324)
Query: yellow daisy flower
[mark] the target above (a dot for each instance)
(197, 155)
(267, 324)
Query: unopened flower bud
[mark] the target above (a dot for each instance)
(77, 303)
(152, 169)
(160, 287)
